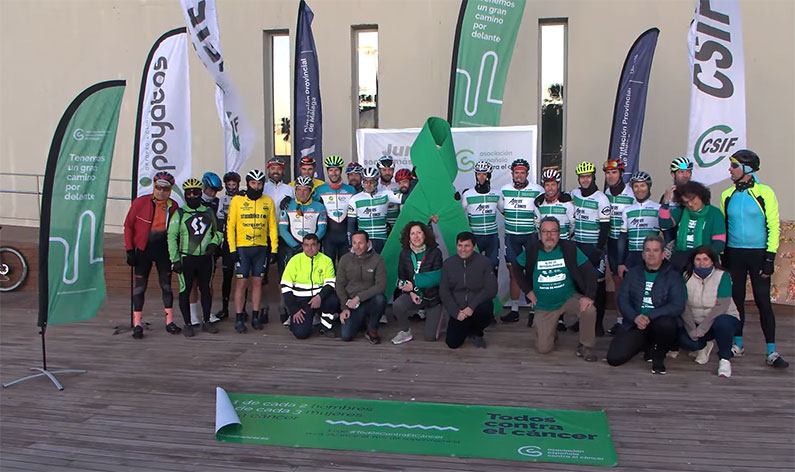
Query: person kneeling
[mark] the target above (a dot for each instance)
(308, 288)
(558, 280)
(651, 299)
(361, 282)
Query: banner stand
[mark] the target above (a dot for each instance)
(43, 369)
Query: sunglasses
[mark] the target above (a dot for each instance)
(611, 165)
(162, 188)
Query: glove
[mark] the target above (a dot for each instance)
(768, 264)
(285, 201)
(272, 258)
(213, 249)
(176, 267)
(457, 196)
(235, 257)
(131, 258)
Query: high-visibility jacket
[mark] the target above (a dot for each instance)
(306, 276)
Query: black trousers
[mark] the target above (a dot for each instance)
(228, 273)
(744, 262)
(659, 337)
(459, 331)
(156, 252)
(199, 270)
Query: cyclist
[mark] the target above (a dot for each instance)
(252, 234)
(335, 196)
(231, 189)
(145, 242)
(481, 206)
(193, 240)
(405, 180)
(302, 216)
(367, 209)
(591, 225)
(306, 168)
(681, 173)
(386, 169)
(516, 204)
(354, 173)
(638, 221)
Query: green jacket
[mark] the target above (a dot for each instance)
(191, 231)
(764, 196)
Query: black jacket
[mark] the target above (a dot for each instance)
(466, 283)
(430, 262)
(667, 294)
(584, 275)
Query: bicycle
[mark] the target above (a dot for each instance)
(13, 268)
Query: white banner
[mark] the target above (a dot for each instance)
(164, 138)
(202, 22)
(717, 89)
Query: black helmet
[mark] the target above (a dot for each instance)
(746, 158)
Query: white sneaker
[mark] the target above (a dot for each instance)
(402, 337)
(383, 319)
(672, 354)
(287, 321)
(194, 318)
(214, 319)
(421, 314)
(703, 355)
(737, 351)
(724, 368)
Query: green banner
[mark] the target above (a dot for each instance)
(73, 208)
(495, 432)
(486, 34)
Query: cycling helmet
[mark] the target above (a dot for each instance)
(520, 163)
(255, 174)
(385, 162)
(212, 181)
(483, 167)
(354, 168)
(232, 176)
(550, 175)
(163, 178)
(275, 161)
(304, 181)
(192, 184)
(402, 174)
(640, 176)
(746, 158)
(613, 164)
(307, 161)
(333, 161)
(585, 168)
(681, 163)
(371, 173)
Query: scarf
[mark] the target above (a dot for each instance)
(418, 249)
(589, 190)
(700, 218)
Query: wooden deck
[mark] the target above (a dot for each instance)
(148, 405)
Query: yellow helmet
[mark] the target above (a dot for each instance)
(192, 184)
(585, 168)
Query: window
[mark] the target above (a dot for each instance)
(365, 75)
(278, 101)
(552, 72)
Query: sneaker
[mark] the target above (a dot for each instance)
(187, 331)
(287, 321)
(372, 337)
(647, 356)
(194, 319)
(221, 314)
(284, 317)
(737, 351)
(586, 353)
(421, 314)
(775, 360)
(658, 367)
(614, 329)
(575, 327)
(214, 318)
(703, 355)
(402, 337)
(724, 368)
(240, 323)
(561, 325)
(383, 319)
(478, 342)
(530, 318)
(138, 332)
(510, 317)
(329, 333)
(672, 354)
(172, 328)
(209, 328)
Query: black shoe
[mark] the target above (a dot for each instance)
(647, 356)
(172, 328)
(263, 315)
(329, 333)
(209, 328)
(283, 315)
(600, 330)
(372, 337)
(530, 318)
(658, 367)
(586, 353)
(478, 342)
(614, 329)
(255, 321)
(510, 317)
(561, 326)
(240, 323)
(222, 314)
(188, 331)
(575, 327)
(138, 332)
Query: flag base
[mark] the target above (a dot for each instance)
(49, 374)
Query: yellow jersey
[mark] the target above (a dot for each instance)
(251, 223)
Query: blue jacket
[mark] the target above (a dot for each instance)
(667, 294)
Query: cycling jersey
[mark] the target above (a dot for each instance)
(561, 211)
(481, 210)
(368, 212)
(618, 204)
(640, 220)
(277, 191)
(747, 212)
(393, 209)
(191, 231)
(298, 220)
(518, 208)
(252, 223)
(589, 212)
(335, 200)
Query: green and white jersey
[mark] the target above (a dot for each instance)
(481, 209)
(640, 220)
(618, 203)
(518, 208)
(589, 213)
(563, 212)
(393, 209)
(370, 211)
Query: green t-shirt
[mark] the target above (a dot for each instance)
(553, 284)
(646, 305)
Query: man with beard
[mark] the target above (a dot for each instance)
(306, 168)
(367, 210)
(386, 169)
(354, 173)
(335, 196)
(639, 221)
(480, 204)
(681, 173)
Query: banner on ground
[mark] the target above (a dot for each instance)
(484, 41)
(71, 234)
(202, 21)
(717, 88)
(630, 108)
(493, 432)
(162, 129)
(307, 107)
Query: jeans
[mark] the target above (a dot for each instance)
(722, 331)
(371, 310)
(328, 306)
(658, 337)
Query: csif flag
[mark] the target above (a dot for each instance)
(630, 107)
(162, 129)
(201, 17)
(71, 234)
(307, 108)
(717, 88)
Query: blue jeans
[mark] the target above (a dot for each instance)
(722, 331)
(370, 310)
(489, 246)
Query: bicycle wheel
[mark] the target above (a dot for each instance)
(14, 269)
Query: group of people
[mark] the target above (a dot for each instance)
(326, 238)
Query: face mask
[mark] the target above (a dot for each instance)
(193, 202)
(703, 272)
(253, 194)
(483, 188)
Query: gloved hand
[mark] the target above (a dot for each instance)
(131, 258)
(285, 201)
(235, 257)
(212, 249)
(457, 196)
(176, 267)
(768, 265)
(272, 258)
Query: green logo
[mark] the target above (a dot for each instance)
(710, 149)
(465, 160)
